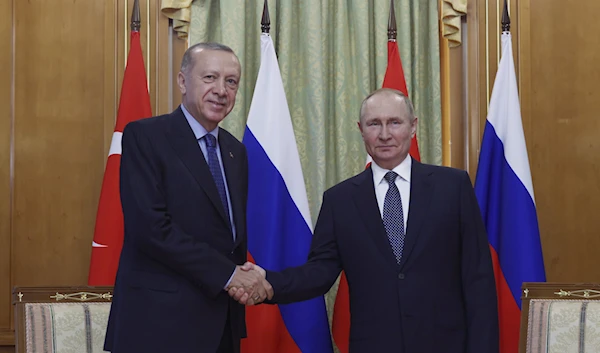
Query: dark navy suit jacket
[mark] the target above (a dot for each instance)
(178, 250)
(440, 298)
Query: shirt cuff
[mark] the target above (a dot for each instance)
(229, 281)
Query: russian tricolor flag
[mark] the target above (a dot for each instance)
(279, 223)
(505, 193)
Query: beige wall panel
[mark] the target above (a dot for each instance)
(563, 134)
(59, 149)
(476, 80)
(6, 119)
(162, 58)
(163, 83)
(111, 99)
(179, 48)
(457, 109)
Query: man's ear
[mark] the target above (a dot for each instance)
(413, 129)
(181, 82)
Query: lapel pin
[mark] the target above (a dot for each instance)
(231, 154)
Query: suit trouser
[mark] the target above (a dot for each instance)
(227, 345)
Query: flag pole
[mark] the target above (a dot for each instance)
(505, 18)
(265, 23)
(136, 22)
(392, 29)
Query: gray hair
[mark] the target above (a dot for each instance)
(188, 59)
(405, 99)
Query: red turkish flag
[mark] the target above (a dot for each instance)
(108, 234)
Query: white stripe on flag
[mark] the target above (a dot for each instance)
(98, 245)
(271, 124)
(505, 115)
(115, 143)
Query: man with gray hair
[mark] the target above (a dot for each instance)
(411, 241)
(184, 187)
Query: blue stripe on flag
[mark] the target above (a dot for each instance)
(278, 238)
(509, 214)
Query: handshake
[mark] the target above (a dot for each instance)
(249, 285)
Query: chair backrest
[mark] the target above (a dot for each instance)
(61, 319)
(560, 317)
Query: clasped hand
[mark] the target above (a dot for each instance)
(249, 285)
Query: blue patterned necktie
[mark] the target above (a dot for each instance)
(215, 170)
(393, 217)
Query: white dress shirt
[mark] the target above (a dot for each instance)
(402, 182)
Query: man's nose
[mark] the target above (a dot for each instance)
(219, 87)
(384, 133)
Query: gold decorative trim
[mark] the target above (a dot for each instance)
(82, 296)
(582, 293)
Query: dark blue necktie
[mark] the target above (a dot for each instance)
(393, 217)
(215, 170)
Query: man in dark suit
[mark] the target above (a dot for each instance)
(412, 243)
(184, 185)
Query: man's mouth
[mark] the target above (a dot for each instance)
(217, 104)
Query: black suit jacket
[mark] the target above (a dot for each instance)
(178, 250)
(440, 298)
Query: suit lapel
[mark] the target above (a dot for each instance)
(186, 146)
(233, 166)
(366, 202)
(420, 197)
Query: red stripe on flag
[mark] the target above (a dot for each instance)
(134, 104)
(341, 321)
(394, 78)
(267, 332)
(509, 314)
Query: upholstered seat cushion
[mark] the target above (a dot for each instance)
(563, 326)
(65, 327)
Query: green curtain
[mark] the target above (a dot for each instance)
(332, 53)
